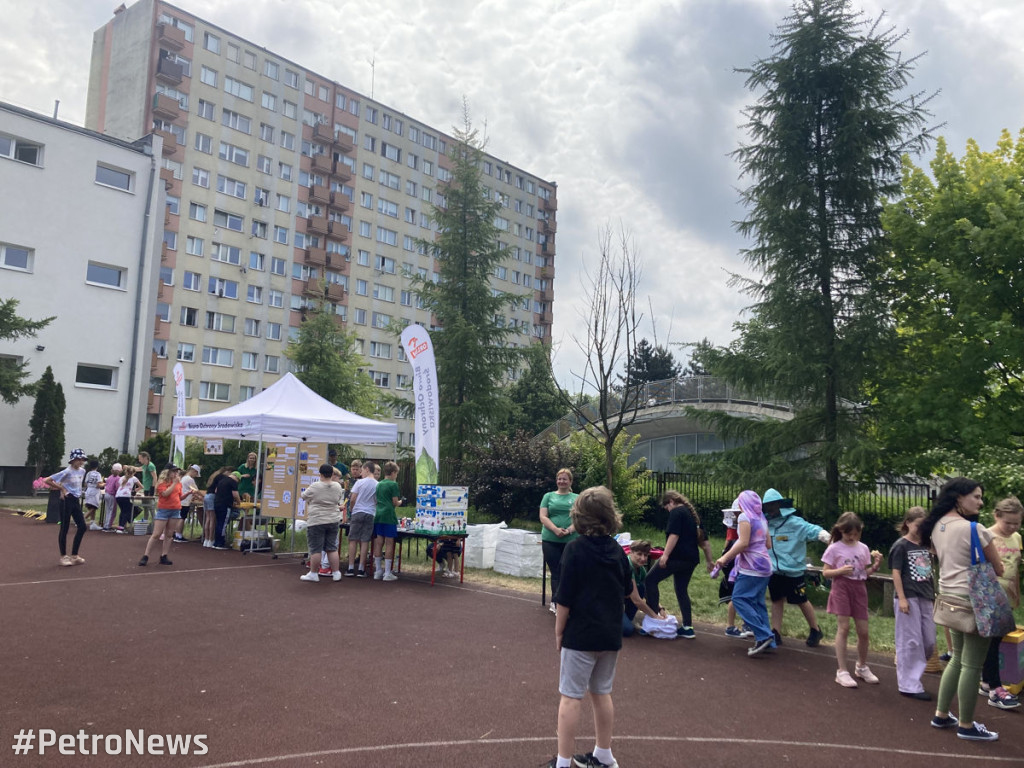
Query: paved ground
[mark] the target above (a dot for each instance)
(274, 671)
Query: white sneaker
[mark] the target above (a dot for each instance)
(552, 607)
(94, 527)
(310, 576)
(378, 575)
(336, 576)
(208, 544)
(387, 577)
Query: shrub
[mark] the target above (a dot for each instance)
(627, 479)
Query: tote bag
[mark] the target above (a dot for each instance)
(992, 610)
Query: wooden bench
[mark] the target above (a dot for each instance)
(876, 579)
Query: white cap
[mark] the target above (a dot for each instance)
(197, 468)
(116, 467)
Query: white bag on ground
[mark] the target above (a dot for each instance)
(518, 553)
(664, 629)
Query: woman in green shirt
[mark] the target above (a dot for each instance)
(558, 530)
(247, 485)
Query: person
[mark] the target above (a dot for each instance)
(126, 489)
(752, 570)
(110, 496)
(69, 482)
(555, 510)
(147, 473)
(595, 577)
(189, 493)
(947, 529)
(725, 587)
(92, 484)
(168, 512)
(247, 472)
(225, 498)
(323, 517)
(684, 536)
(913, 603)
(362, 506)
(355, 473)
(332, 459)
(789, 534)
(448, 549)
(639, 555)
(210, 508)
(1007, 540)
(849, 563)
(385, 523)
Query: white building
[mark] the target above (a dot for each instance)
(80, 236)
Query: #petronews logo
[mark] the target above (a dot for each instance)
(30, 741)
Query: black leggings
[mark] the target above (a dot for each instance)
(125, 504)
(990, 670)
(680, 571)
(552, 551)
(71, 508)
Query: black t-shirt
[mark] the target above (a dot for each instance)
(682, 524)
(914, 563)
(223, 496)
(595, 577)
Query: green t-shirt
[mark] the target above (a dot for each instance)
(148, 472)
(558, 505)
(387, 492)
(247, 485)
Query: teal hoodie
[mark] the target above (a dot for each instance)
(789, 536)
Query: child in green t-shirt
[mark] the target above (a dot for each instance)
(385, 524)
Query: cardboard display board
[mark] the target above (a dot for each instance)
(290, 469)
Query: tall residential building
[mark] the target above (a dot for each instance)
(80, 237)
(283, 186)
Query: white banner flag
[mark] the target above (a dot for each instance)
(420, 352)
(178, 454)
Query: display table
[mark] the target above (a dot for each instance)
(253, 531)
(406, 535)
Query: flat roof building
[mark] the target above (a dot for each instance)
(283, 185)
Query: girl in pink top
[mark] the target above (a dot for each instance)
(849, 563)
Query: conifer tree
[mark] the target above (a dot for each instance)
(12, 372)
(46, 437)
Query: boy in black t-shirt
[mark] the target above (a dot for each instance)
(595, 577)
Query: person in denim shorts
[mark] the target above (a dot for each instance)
(323, 515)
(168, 512)
(362, 508)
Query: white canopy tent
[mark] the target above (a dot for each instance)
(287, 411)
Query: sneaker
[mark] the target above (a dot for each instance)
(66, 560)
(378, 575)
(733, 632)
(919, 695)
(746, 632)
(336, 576)
(949, 721)
(222, 548)
(977, 732)
(95, 527)
(119, 529)
(844, 679)
(553, 607)
(777, 636)
(350, 572)
(589, 761)
(946, 656)
(309, 576)
(208, 544)
(686, 632)
(1000, 698)
(360, 574)
(762, 646)
(388, 577)
(984, 689)
(144, 560)
(325, 571)
(165, 560)
(864, 673)
(814, 638)
(79, 560)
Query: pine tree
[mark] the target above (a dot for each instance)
(536, 401)
(12, 372)
(651, 362)
(46, 437)
(826, 138)
(470, 340)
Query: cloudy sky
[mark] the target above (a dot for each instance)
(631, 106)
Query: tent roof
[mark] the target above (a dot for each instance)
(287, 411)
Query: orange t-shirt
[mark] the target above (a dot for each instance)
(172, 500)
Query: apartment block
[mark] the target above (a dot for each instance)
(283, 187)
(83, 216)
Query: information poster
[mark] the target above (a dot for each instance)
(290, 469)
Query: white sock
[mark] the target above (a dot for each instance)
(387, 566)
(324, 562)
(376, 563)
(604, 755)
(563, 762)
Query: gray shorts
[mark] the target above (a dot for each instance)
(322, 538)
(583, 671)
(360, 527)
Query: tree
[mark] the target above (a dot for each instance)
(12, 372)
(470, 344)
(826, 137)
(651, 362)
(609, 345)
(536, 401)
(956, 379)
(329, 364)
(46, 436)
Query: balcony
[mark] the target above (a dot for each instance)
(336, 139)
(167, 175)
(165, 108)
(339, 202)
(317, 257)
(318, 193)
(547, 272)
(321, 290)
(549, 226)
(171, 147)
(169, 72)
(322, 163)
(551, 204)
(164, 291)
(320, 224)
(170, 37)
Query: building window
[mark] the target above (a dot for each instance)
(208, 76)
(290, 109)
(14, 257)
(272, 363)
(21, 150)
(274, 331)
(275, 298)
(226, 289)
(211, 42)
(252, 326)
(112, 177)
(218, 356)
(235, 121)
(102, 274)
(381, 379)
(217, 321)
(201, 177)
(359, 316)
(381, 320)
(254, 294)
(189, 316)
(197, 211)
(249, 361)
(207, 110)
(281, 234)
(211, 390)
(277, 266)
(291, 79)
(287, 140)
(285, 171)
(245, 392)
(270, 69)
(380, 349)
(388, 236)
(186, 352)
(238, 88)
(97, 376)
(194, 246)
(233, 154)
(228, 220)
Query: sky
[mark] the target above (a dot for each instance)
(631, 106)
